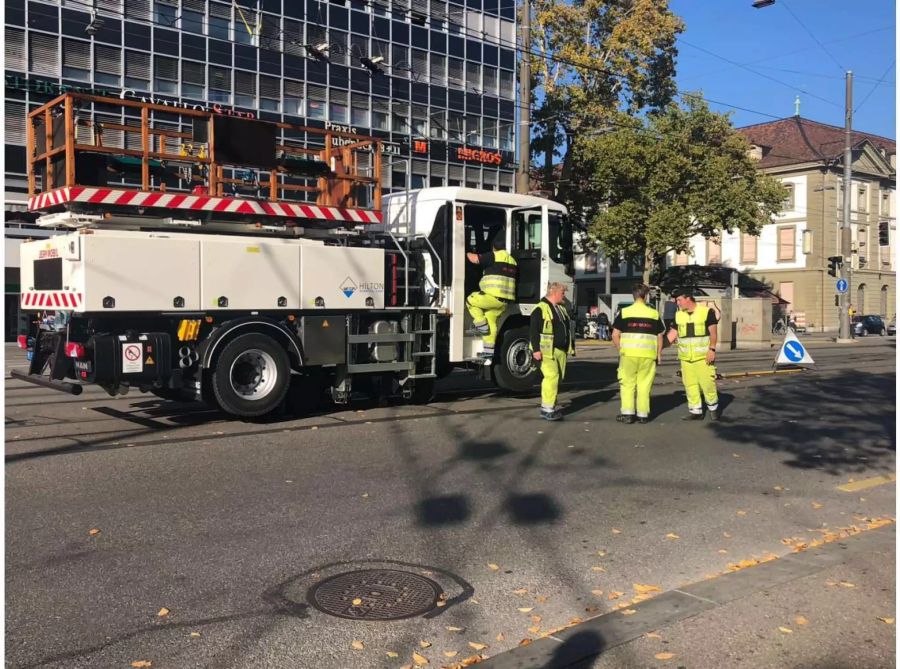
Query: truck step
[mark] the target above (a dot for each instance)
(424, 354)
(422, 376)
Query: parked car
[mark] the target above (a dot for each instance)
(892, 328)
(866, 325)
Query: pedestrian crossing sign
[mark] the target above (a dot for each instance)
(793, 353)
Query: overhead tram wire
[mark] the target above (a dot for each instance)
(877, 83)
(815, 39)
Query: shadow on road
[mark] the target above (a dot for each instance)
(855, 434)
(577, 650)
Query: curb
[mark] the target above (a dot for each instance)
(573, 645)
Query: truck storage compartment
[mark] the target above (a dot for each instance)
(133, 359)
(341, 277)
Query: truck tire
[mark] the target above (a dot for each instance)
(513, 369)
(251, 376)
(422, 391)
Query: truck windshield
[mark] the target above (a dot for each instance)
(560, 234)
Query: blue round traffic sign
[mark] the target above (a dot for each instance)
(793, 351)
(842, 285)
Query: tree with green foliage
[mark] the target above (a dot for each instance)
(653, 183)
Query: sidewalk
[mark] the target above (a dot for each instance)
(825, 608)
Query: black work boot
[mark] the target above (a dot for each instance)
(643, 420)
(693, 416)
(628, 419)
(714, 414)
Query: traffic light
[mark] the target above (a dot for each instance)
(884, 233)
(834, 263)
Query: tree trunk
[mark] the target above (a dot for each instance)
(649, 264)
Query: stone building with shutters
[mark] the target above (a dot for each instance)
(442, 95)
(791, 253)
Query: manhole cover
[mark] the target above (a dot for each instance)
(375, 594)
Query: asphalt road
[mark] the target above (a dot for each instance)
(227, 524)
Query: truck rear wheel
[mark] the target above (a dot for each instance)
(251, 376)
(513, 368)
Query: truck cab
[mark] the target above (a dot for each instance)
(456, 221)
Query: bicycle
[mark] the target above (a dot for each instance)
(782, 325)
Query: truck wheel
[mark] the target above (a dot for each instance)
(422, 391)
(251, 376)
(513, 368)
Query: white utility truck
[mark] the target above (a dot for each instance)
(194, 270)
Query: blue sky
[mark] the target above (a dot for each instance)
(775, 46)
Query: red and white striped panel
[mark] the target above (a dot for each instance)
(52, 299)
(229, 205)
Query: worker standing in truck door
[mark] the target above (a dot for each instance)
(696, 329)
(638, 336)
(497, 289)
(551, 340)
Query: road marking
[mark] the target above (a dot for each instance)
(868, 483)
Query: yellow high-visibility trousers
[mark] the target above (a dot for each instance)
(485, 308)
(699, 378)
(553, 369)
(636, 374)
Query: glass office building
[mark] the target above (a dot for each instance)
(434, 79)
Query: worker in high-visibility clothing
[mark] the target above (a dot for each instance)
(638, 336)
(497, 289)
(551, 339)
(696, 329)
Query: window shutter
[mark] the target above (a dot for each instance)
(137, 9)
(293, 89)
(270, 87)
(194, 5)
(166, 68)
(220, 78)
(15, 50)
(14, 122)
(293, 38)
(245, 83)
(107, 60)
(43, 54)
(438, 68)
(137, 65)
(76, 54)
(420, 64)
(193, 73)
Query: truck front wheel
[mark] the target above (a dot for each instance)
(513, 368)
(251, 376)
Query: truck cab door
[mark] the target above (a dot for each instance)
(527, 248)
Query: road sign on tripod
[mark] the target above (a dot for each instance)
(792, 353)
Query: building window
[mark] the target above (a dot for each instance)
(107, 65)
(490, 80)
(137, 70)
(439, 124)
(381, 110)
(886, 203)
(43, 54)
(14, 122)
(455, 126)
(455, 73)
(748, 248)
(244, 88)
(507, 84)
(15, 50)
(473, 77)
(165, 75)
(270, 94)
(315, 105)
(681, 259)
(438, 69)
(293, 97)
(359, 110)
(787, 247)
(165, 12)
(219, 84)
(590, 262)
(137, 9)
(420, 121)
(490, 133)
(338, 110)
(507, 136)
(220, 21)
(400, 64)
(473, 130)
(192, 16)
(714, 251)
(400, 118)
(861, 199)
(884, 301)
(786, 291)
(788, 203)
(193, 80)
(76, 60)
(861, 299)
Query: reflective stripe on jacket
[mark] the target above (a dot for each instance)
(547, 328)
(499, 279)
(633, 342)
(694, 347)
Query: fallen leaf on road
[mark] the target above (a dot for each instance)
(735, 455)
(598, 569)
(726, 535)
(652, 635)
(723, 551)
(640, 598)
(451, 653)
(601, 553)
(535, 619)
(520, 591)
(420, 660)
(163, 612)
(591, 609)
(365, 494)
(424, 644)
(469, 661)
(407, 666)
(615, 531)
(478, 646)
(541, 599)
(524, 642)
(615, 595)
(800, 620)
(786, 630)
(664, 656)
(357, 645)
(94, 532)
(628, 612)
(778, 488)
(846, 584)
(357, 601)
(534, 630)
(493, 567)
(638, 587)
(816, 505)
(195, 633)
(142, 663)
(576, 621)
(474, 601)
(742, 513)
(501, 637)
(598, 593)
(526, 609)
(671, 535)
(391, 653)
(889, 621)
(455, 629)
(441, 603)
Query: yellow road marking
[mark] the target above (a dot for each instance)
(868, 483)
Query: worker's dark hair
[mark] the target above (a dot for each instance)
(686, 292)
(499, 241)
(640, 291)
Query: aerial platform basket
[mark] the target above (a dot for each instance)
(226, 167)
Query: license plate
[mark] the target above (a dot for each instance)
(83, 365)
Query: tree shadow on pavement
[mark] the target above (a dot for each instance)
(840, 424)
(577, 650)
